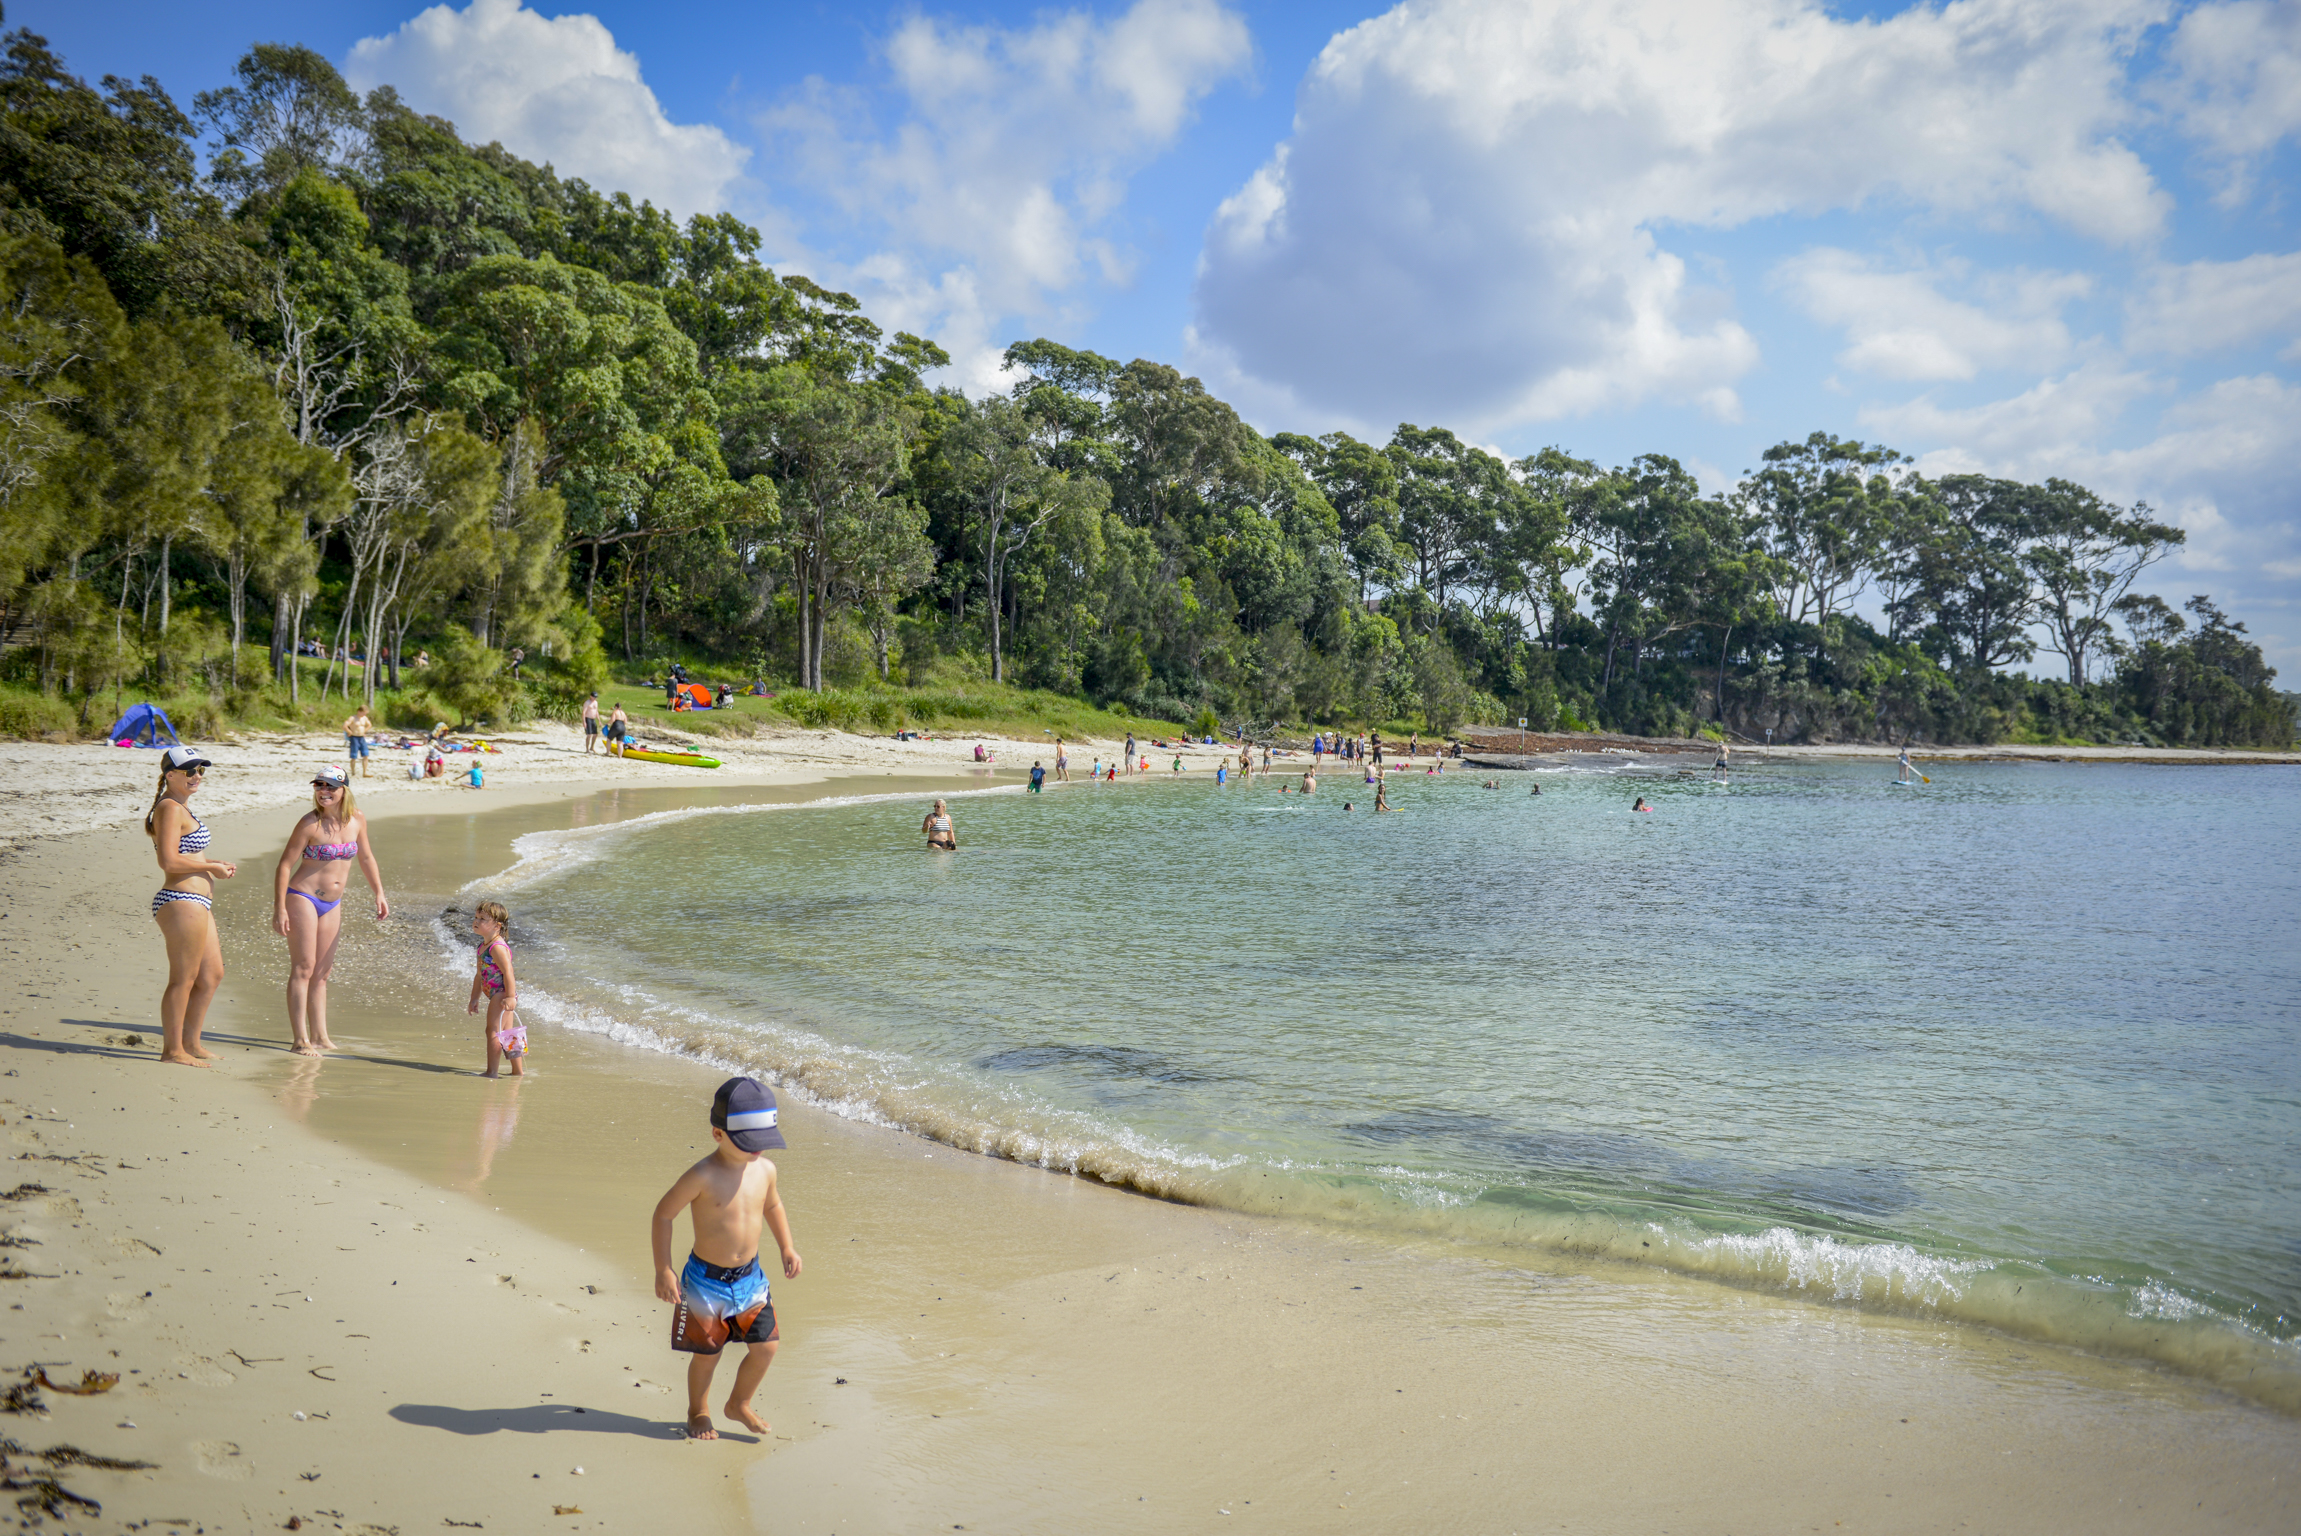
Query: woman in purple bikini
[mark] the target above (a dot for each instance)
(307, 891)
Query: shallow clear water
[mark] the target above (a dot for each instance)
(2017, 1048)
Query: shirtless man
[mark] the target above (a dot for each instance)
(722, 1294)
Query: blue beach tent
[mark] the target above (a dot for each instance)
(144, 725)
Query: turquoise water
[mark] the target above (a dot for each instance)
(2018, 1048)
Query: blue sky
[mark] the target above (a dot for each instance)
(2029, 237)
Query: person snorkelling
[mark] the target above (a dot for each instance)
(185, 907)
(316, 866)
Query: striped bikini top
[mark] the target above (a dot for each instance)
(196, 840)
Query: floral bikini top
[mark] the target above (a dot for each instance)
(490, 973)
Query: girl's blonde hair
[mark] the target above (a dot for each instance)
(494, 912)
(152, 816)
(344, 810)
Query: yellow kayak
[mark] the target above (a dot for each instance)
(679, 759)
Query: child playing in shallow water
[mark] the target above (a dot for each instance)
(506, 1036)
(721, 1293)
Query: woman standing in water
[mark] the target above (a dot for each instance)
(316, 867)
(937, 826)
(185, 907)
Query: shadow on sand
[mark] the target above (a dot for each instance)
(541, 1419)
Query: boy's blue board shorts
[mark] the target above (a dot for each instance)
(717, 1304)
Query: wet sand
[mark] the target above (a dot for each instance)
(973, 1343)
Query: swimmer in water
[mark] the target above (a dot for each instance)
(1537, 789)
(937, 826)
(1641, 805)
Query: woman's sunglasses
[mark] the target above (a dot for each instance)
(324, 785)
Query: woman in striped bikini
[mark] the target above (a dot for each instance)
(185, 907)
(308, 890)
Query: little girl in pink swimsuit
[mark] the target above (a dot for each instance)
(506, 1036)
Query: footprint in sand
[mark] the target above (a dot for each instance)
(222, 1459)
(201, 1369)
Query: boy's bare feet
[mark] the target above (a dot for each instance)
(699, 1427)
(181, 1059)
(742, 1414)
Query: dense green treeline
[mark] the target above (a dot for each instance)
(363, 386)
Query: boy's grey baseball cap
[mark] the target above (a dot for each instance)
(744, 1108)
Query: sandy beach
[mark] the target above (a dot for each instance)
(378, 1292)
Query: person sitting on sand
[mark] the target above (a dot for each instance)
(316, 865)
(721, 1293)
(185, 906)
(937, 826)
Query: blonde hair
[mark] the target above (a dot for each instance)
(493, 911)
(152, 816)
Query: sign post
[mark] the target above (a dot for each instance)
(1521, 735)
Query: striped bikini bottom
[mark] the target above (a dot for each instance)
(165, 897)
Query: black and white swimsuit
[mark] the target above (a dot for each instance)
(194, 841)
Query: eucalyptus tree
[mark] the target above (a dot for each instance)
(1966, 580)
(2085, 554)
(1824, 506)
(1453, 499)
(286, 113)
(1360, 482)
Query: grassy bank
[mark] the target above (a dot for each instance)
(991, 709)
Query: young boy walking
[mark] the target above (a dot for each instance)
(721, 1294)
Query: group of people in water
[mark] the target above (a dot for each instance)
(310, 885)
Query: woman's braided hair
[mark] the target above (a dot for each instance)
(152, 816)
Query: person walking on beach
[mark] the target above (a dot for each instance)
(1062, 761)
(1130, 757)
(357, 730)
(1038, 778)
(937, 826)
(316, 865)
(591, 722)
(185, 907)
(618, 730)
(721, 1295)
(492, 975)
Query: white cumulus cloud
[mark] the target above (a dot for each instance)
(2236, 83)
(2207, 306)
(1900, 325)
(553, 89)
(991, 194)
(1473, 218)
